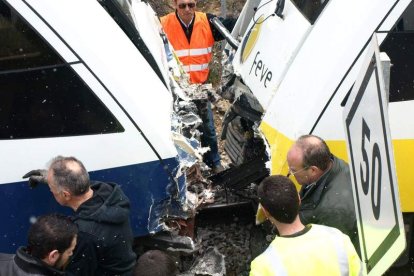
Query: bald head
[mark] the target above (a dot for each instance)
(69, 173)
(308, 159)
(314, 151)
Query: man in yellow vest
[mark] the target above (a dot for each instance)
(298, 249)
(192, 36)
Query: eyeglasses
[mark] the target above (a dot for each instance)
(189, 5)
(292, 173)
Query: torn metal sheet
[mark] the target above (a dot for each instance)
(210, 263)
(168, 241)
(184, 144)
(185, 134)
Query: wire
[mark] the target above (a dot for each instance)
(257, 9)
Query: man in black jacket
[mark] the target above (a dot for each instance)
(51, 241)
(326, 192)
(101, 213)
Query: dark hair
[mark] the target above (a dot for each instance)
(278, 195)
(315, 151)
(155, 263)
(75, 180)
(51, 232)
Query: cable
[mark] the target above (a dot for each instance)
(256, 9)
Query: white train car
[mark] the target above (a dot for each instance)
(89, 79)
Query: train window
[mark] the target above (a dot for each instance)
(399, 45)
(311, 9)
(21, 48)
(40, 95)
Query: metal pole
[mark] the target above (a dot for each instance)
(223, 8)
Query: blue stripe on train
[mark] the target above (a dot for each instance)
(147, 185)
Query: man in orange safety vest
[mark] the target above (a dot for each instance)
(192, 36)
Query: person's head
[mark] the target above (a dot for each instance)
(52, 239)
(185, 9)
(67, 178)
(155, 263)
(308, 159)
(279, 198)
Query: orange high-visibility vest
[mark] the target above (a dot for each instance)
(196, 55)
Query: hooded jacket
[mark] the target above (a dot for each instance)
(330, 202)
(22, 264)
(105, 237)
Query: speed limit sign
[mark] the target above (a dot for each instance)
(370, 152)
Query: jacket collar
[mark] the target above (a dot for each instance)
(315, 191)
(31, 264)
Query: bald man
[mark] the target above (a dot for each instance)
(326, 192)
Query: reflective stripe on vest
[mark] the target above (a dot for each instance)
(275, 262)
(335, 236)
(194, 52)
(195, 67)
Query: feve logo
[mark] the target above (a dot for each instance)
(251, 38)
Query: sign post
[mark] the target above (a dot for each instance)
(375, 189)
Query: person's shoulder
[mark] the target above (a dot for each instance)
(8, 266)
(258, 261)
(6, 258)
(339, 171)
(323, 227)
(103, 185)
(260, 265)
(167, 16)
(327, 229)
(338, 162)
(203, 14)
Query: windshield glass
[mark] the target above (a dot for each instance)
(311, 9)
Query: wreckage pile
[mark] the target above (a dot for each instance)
(225, 237)
(227, 242)
(230, 240)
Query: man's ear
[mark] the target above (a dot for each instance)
(52, 257)
(66, 194)
(313, 169)
(266, 213)
(314, 172)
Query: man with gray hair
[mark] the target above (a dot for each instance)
(101, 213)
(325, 180)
